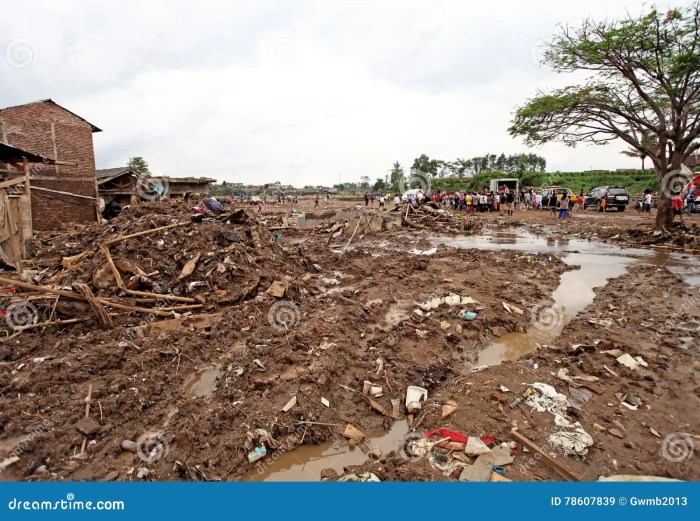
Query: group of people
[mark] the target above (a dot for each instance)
(485, 201)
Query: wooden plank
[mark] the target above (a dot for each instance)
(558, 467)
(61, 192)
(145, 232)
(159, 296)
(12, 182)
(76, 296)
(110, 262)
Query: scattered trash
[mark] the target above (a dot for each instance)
(276, 289)
(446, 433)
(365, 477)
(654, 432)
(476, 447)
(629, 362)
(449, 407)
(257, 453)
(354, 434)
(466, 315)
(325, 402)
(128, 445)
(617, 433)
(414, 396)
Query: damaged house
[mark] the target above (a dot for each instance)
(63, 190)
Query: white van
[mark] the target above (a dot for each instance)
(413, 193)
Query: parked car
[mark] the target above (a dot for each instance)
(413, 193)
(548, 190)
(617, 197)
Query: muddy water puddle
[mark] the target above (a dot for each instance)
(306, 462)
(204, 381)
(597, 262)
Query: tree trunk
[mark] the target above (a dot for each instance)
(643, 158)
(667, 183)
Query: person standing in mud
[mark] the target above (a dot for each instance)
(510, 203)
(316, 201)
(381, 201)
(397, 201)
(366, 198)
(677, 207)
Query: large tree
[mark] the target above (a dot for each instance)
(643, 81)
(139, 164)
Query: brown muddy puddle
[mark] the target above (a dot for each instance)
(598, 263)
(204, 381)
(306, 462)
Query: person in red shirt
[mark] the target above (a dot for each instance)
(677, 207)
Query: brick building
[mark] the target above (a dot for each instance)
(65, 192)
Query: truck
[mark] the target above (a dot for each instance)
(498, 184)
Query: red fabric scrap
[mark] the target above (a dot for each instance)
(446, 433)
(488, 441)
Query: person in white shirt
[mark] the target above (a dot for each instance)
(381, 201)
(646, 205)
(538, 198)
(397, 201)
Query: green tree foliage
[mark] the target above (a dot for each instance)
(643, 83)
(396, 175)
(138, 164)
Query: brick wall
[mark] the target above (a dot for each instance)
(51, 131)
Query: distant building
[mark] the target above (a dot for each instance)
(65, 190)
(177, 187)
(117, 189)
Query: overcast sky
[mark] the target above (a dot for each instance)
(300, 92)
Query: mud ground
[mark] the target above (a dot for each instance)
(192, 401)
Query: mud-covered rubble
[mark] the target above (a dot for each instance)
(288, 341)
(284, 320)
(601, 416)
